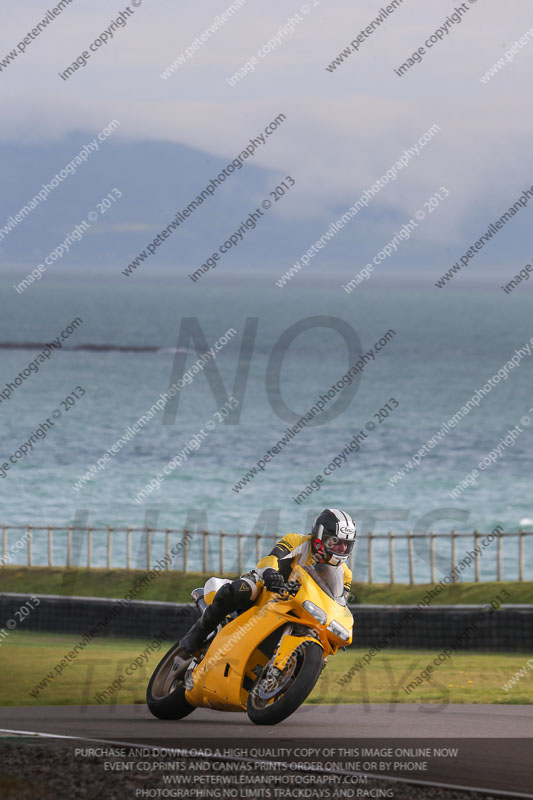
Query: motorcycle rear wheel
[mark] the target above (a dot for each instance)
(296, 683)
(165, 694)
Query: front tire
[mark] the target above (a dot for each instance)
(296, 683)
(165, 695)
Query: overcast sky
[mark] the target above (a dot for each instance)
(344, 128)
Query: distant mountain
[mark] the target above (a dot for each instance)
(159, 179)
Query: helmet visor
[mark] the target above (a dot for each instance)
(341, 547)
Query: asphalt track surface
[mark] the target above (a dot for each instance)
(496, 741)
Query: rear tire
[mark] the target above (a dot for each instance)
(165, 695)
(305, 670)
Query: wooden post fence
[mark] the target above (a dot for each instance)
(167, 549)
(411, 559)
(34, 545)
(391, 556)
(186, 550)
(128, 547)
(476, 555)
(148, 548)
(109, 546)
(90, 547)
(454, 556)
(50, 546)
(239, 553)
(69, 546)
(204, 560)
(29, 547)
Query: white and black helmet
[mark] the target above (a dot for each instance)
(333, 536)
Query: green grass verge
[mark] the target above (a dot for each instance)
(27, 657)
(453, 594)
(173, 586)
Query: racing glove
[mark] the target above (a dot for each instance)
(273, 580)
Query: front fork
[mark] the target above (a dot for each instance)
(286, 647)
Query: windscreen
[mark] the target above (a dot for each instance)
(330, 580)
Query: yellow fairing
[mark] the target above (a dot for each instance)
(224, 676)
(309, 590)
(218, 679)
(287, 647)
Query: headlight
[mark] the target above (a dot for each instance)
(338, 630)
(318, 613)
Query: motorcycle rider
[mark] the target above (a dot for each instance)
(330, 542)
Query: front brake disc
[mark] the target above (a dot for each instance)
(275, 680)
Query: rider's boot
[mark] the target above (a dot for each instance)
(194, 639)
(228, 598)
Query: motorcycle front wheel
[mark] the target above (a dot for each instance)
(165, 695)
(276, 697)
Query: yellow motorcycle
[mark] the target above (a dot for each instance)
(265, 660)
